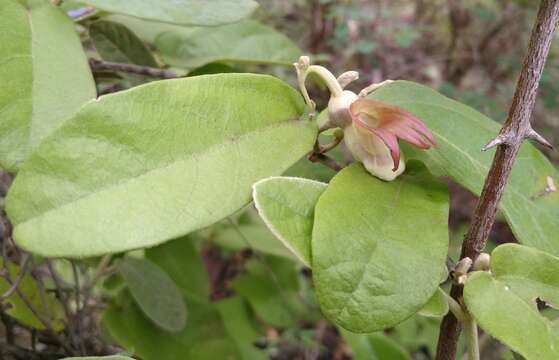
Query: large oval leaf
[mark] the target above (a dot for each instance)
(139, 167)
(507, 317)
(41, 59)
(244, 42)
(461, 132)
(155, 293)
(286, 205)
(185, 12)
(528, 272)
(378, 247)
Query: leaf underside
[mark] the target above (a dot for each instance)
(140, 167)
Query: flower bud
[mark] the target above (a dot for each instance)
(338, 108)
(482, 262)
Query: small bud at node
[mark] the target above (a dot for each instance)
(482, 262)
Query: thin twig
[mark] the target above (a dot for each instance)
(100, 65)
(46, 322)
(17, 281)
(515, 130)
(63, 299)
(78, 308)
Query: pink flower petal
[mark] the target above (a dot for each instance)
(391, 123)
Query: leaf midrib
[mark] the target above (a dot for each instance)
(200, 152)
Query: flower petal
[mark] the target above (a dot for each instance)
(391, 123)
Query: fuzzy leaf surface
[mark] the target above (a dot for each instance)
(378, 247)
(530, 273)
(41, 58)
(286, 205)
(139, 167)
(510, 319)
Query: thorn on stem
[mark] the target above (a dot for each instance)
(532, 134)
(500, 139)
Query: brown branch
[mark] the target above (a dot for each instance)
(99, 65)
(515, 130)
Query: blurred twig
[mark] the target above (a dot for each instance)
(100, 65)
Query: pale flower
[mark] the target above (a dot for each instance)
(371, 128)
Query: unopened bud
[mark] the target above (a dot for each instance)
(482, 262)
(303, 63)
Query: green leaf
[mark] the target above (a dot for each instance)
(271, 292)
(528, 272)
(511, 320)
(244, 42)
(185, 12)
(286, 205)
(144, 29)
(155, 293)
(213, 68)
(374, 346)
(204, 337)
(210, 331)
(178, 258)
(251, 236)
(139, 167)
(437, 306)
(235, 317)
(378, 247)
(419, 334)
(41, 59)
(460, 133)
(46, 305)
(115, 42)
